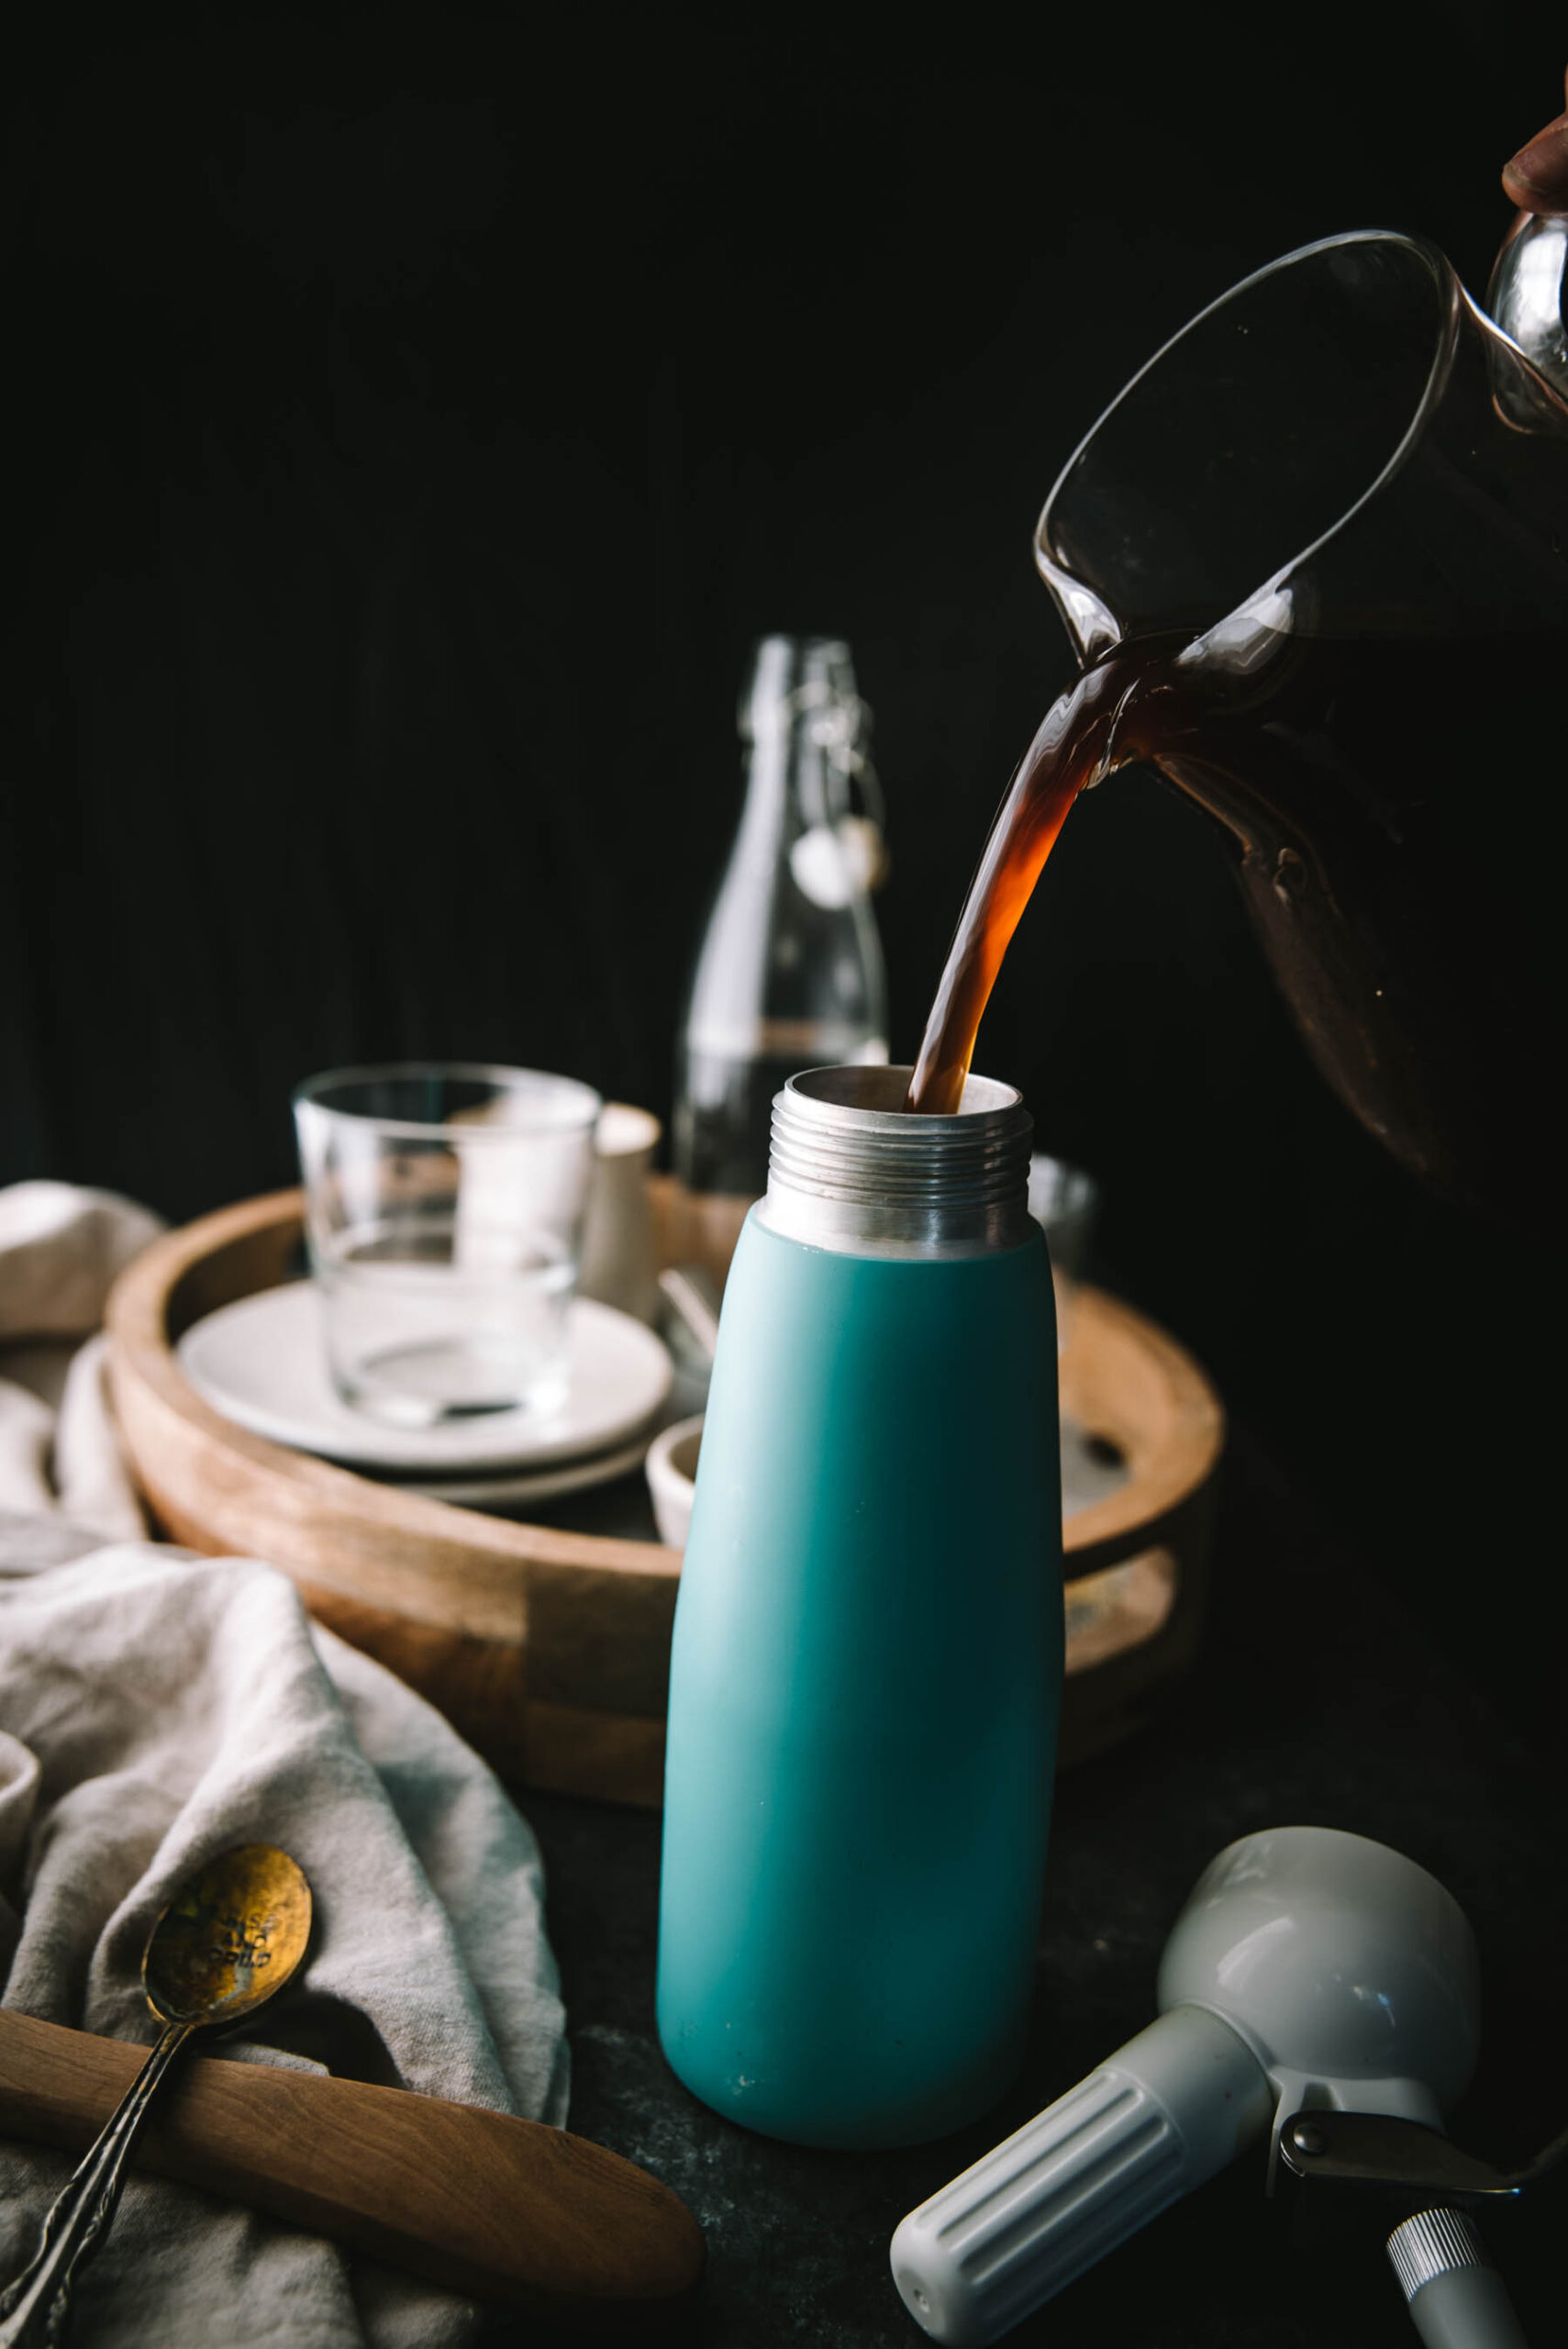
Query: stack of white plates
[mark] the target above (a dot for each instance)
(261, 1363)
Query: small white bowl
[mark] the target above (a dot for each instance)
(672, 1467)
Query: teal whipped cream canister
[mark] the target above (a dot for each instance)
(866, 1673)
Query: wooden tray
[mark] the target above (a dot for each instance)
(549, 1649)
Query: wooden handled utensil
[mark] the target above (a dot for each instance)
(504, 2211)
(235, 1932)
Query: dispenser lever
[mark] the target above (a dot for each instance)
(1401, 2159)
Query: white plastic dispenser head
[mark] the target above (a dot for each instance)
(1350, 1971)
(1307, 1967)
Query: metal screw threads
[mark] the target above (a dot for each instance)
(1456, 2297)
(852, 1169)
(1430, 2244)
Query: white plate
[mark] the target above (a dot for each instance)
(534, 1483)
(261, 1362)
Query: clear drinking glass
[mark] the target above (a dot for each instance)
(443, 1210)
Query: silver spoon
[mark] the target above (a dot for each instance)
(232, 1936)
(689, 1294)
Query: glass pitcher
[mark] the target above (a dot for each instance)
(1335, 506)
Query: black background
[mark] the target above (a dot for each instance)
(416, 417)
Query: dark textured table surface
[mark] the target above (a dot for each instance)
(1319, 1698)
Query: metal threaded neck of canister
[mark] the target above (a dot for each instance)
(850, 1168)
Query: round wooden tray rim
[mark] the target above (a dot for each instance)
(1166, 1472)
(550, 1647)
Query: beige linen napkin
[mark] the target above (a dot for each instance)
(156, 1708)
(60, 1248)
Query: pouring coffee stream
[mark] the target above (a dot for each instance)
(1311, 559)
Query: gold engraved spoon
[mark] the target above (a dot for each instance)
(232, 1936)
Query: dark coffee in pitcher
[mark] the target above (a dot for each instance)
(1374, 731)
(1409, 913)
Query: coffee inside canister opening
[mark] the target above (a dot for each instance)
(881, 1090)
